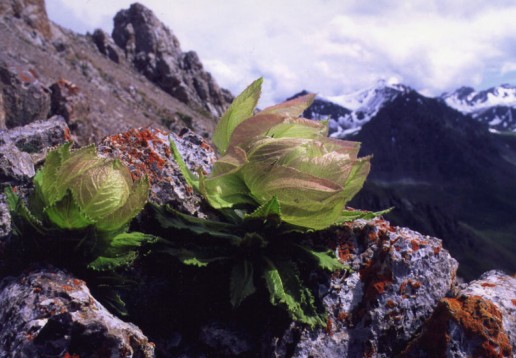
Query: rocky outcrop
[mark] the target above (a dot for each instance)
(32, 12)
(397, 278)
(48, 313)
(106, 45)
(155, 52)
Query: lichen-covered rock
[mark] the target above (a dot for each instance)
(48, 313)
(479, 322)
(500, 289)
(155, 51)
(398, 276)
(24, 98)
(147, 152)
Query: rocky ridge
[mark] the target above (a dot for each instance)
(89, 81)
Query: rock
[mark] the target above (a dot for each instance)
(32, 12)
(500, 289)
(24, 98)
(5, 222)
(479, 322)
(106, 45)
(16, 167)
(38, 137)
(226, 340)
(155, 52)
(146, 152)
(69, 102)
(398, 276)
(48, 313)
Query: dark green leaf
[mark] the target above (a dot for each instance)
(241, 284)
(287, 290)
(325, 259)
(170, 218)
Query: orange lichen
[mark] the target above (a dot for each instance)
(479, 319)
(437, 250)
(329, 327)
(390, 304)
(414, 245)
(140, 156)
(68, 288)
(342, 316)
(487, 284)
(513, 302)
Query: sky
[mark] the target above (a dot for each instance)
(330, 47)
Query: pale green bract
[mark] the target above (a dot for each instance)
(276, 154)
(78, 189)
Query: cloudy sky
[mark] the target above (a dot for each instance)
(331, 47)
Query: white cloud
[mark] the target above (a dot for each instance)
(330, 46)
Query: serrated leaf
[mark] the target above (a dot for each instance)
(241, 108)
(326, 260)
(356, 177)
(134, 204)
(286, 290)
(293, 108)
(77, 163)
(190, 178)
(171, 218)
(269, 210)
(19, 210)
(66, 214)
(195, 255)
(103, 263)
(121, 250)
(104, 190)
(348, 215)
(45, 180)
(241, 282)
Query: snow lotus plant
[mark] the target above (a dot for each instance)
(278, 176)
(86, 200)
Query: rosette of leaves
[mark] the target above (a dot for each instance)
(278, 176)
(78, 216)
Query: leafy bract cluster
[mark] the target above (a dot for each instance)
(276, 154)
(278, 175)
(81, 208)
(79, 189)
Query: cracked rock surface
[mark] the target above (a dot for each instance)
(48, 313)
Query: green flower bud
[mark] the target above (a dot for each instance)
(79, 189)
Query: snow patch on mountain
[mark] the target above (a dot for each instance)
(495, 106)
(363, 106)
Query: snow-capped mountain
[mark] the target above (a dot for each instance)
(363, 105)
(495, 106)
